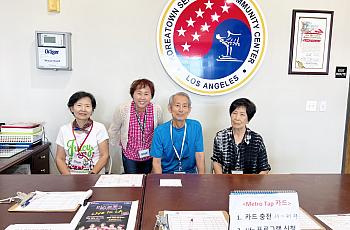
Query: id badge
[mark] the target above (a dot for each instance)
(180, 171)
(236, 171)
(144, 153)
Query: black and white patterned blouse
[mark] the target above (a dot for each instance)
(248, 156)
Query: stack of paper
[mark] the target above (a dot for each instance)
(22, 134)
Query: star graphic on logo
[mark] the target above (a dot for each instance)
(215, 17)
(205, 27)
(208, 5)
(186, 47)
(190, 22)
(181, 32)
(195, 36)
(199, 13)
(225, 8)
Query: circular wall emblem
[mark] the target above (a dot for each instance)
(211, 47)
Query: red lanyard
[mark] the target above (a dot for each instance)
(79, 148)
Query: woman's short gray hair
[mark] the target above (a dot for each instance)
(171, 98)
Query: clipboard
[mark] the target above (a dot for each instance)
(51, 201)
(163, 224)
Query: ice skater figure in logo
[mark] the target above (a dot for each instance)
(230, 41)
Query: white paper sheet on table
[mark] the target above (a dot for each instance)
(199, 220)
(124, 180)
(40, 227)
(170, 183)
(336, 221)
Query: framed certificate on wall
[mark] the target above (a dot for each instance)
(310, 42)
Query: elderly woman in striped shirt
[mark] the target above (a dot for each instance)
(133, 126)
(237, 149)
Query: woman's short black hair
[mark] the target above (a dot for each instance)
(249, 106)
(79, 95)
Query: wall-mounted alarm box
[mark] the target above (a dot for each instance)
(53, 50)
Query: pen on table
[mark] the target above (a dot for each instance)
(191, 224)
(87, 196)
(27, 202)
(85, 202)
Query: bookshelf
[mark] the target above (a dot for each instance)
(36, 156)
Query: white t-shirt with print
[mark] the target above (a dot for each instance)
(89, 154)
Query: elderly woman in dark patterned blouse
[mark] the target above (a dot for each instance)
(238, 149)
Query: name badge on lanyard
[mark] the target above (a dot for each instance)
(144, 153)
(179, 156)
(236, 171)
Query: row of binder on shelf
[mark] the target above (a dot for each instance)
(21, 134)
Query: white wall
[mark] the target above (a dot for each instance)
(114, 42)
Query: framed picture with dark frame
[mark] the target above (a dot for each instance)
(310, 42)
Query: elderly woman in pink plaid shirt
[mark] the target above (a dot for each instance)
(133, 126)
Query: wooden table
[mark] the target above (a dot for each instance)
(318, 194)
(10, 184)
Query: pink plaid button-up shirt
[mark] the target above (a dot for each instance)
(138, 140)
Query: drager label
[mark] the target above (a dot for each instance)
(50, 51)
